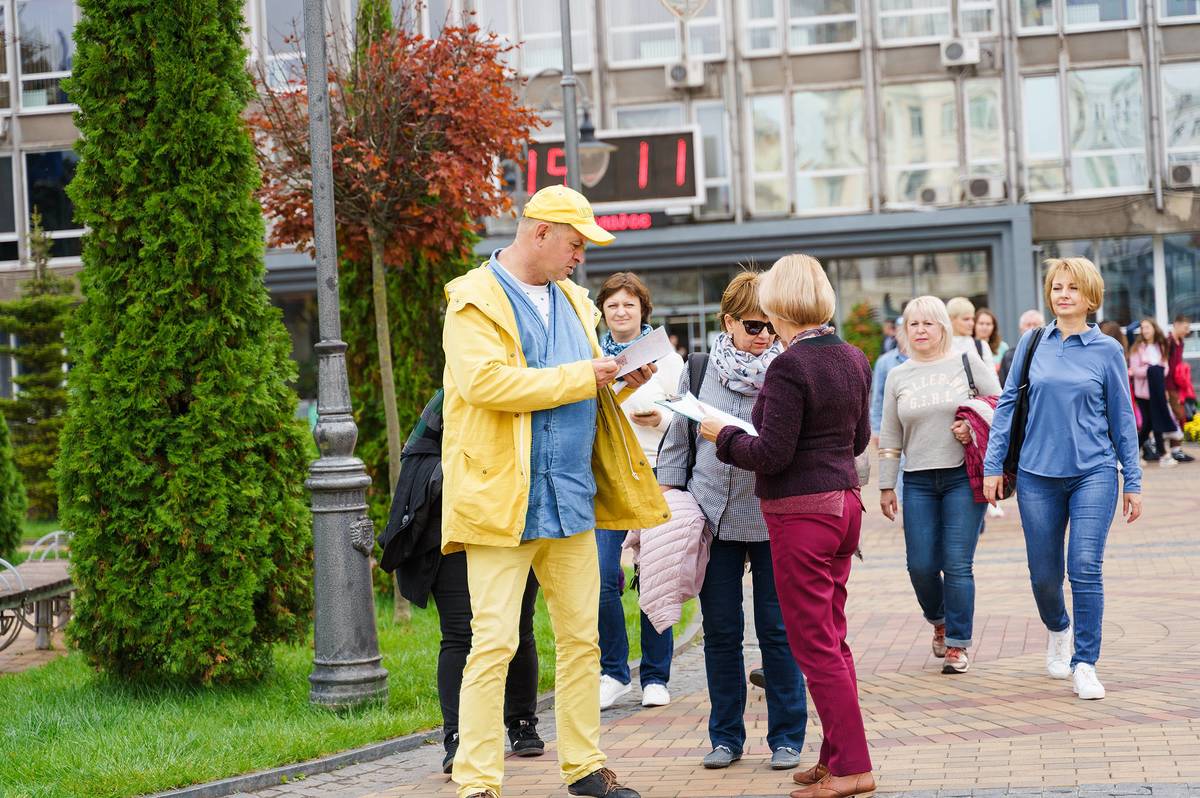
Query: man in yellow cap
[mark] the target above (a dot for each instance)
(535, 455)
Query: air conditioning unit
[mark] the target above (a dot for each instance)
(1184, 175)
(685, 75)
(960, 52)
(933, 195)
(984, 187)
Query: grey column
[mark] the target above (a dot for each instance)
(346, 669)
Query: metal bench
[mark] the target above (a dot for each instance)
(36, 594)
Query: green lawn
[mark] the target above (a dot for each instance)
(70, 732)
(35, 529)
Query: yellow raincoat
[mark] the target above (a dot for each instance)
(490, 399)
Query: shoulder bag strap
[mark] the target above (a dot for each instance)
(973, 391)
(697, 366)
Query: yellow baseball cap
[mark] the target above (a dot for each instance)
(567, 206)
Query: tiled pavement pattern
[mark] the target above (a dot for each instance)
(1005, 728)
(23, 655)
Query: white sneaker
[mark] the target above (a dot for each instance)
(1058, 653)
(1087, 686)
(1167, 461)
(611, 690)
(995, 511)
(655, 695)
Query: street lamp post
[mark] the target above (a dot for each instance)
(346, 662)
(570, 124)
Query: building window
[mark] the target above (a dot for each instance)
(642, 33)
(283, 42)
(1180, 10)
(767, 158)
(1045, 168)
(906, 21)
(47, 175)
(1107, 129)
(540, 34)
(9, 250)
(46, 50)
(810, 24)
(831, 150)
(976, 17)
(714, 130)
(1181, 112)
(921, 124)
(985, 127)
(1183, 275)
(1127, 265)
(660, 116)
(5, 82)
(1043, 16)
(1105, 135)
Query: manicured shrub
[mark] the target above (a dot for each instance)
(861, 329)
(35, 412)
(12, 496)
(182, 468)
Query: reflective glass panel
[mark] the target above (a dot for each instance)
(8, 213)
(284, 22)
(921, 126)
(1107, 128)
(1037, 13)
(885, 284)
(828, 130)
(985, 120)
(767, 117)
(659, 116)
(1181, 105)
(47, 177)
(1180, 8)
(44, 35)
(1183, 275)
(711, 118)
(1043, 125)
(1081, 13)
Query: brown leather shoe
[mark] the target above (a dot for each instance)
(484, 794)
(812, 775)
(859, 785)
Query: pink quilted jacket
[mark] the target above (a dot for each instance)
(672, 558)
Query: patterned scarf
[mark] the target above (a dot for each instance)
(815, 332)
(742, 372)
(612, 348)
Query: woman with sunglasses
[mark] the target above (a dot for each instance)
(732, 379)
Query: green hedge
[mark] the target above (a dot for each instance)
(12, 496)
(182, 469)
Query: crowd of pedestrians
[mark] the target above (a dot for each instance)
(553, 471)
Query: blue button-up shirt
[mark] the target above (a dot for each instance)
(1080, 414)
(562, 488)
(886, 362)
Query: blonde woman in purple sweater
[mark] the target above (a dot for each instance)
(812, 417)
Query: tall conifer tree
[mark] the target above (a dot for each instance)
(12, 496)
(182, 469)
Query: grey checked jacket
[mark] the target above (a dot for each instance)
(725, 493)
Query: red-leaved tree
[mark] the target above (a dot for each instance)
(419, 129)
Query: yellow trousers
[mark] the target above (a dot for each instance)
(569, 574)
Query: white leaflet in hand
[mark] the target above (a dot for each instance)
(691, 407)
(654, 346)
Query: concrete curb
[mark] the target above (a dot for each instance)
(274, 777)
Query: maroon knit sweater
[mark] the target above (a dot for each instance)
(812, 419)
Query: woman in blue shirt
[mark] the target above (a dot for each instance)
(1080, 423)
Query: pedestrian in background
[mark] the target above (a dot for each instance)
(1079, 425)
(883, 366)
(813, 418)
(1030, 320)
(732, 381)
(626, 304)
(536, 455)
(942, 520)
(962, 318)
(1148, 367)
(1179, 384)
(987, 330)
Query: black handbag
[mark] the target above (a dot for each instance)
(1016, 435)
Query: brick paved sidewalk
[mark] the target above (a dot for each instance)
(1003, 728)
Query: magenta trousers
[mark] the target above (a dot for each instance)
(811, 556)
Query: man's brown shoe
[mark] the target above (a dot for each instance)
(812, 775)
(484, 794)
(858, 785)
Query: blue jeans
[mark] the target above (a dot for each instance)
(614, 642)
(941, 528)
(724, 624)
(1089, 503)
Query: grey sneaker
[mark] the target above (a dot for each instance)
(785, 758)
(721, 757)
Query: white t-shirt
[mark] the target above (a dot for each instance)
(539, 295)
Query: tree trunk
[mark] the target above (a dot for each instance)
(402, 612)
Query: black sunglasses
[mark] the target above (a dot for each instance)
(755, 328)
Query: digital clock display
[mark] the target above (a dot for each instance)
(647, 170)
